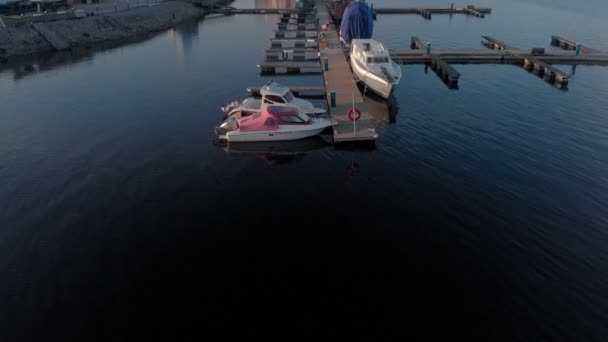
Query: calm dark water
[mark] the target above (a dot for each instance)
(481, 212)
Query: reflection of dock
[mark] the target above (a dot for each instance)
(470, 10)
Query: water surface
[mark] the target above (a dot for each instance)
(481, 211)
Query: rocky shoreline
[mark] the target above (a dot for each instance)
(93, 31)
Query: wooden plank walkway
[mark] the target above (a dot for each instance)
(284, 26)
(480, 56)
(259, 11)
(541, 68)
(298, 50)
(493, 43)
(288, 55)
(305, 21)
(295, 34)
(284, 43)
(289, 67)
(567, 44)
(339, 78)
(296, 30)
(417, 10)
(445, 71)
(417, 44)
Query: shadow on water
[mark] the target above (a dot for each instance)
(30, 65)
(279, 152)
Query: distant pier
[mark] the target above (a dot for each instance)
(537, 60)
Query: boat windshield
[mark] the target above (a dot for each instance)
(288, 96)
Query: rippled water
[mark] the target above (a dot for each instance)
(481, 211)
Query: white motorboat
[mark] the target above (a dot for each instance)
(273, 123)
(372, 64)
(274, 94)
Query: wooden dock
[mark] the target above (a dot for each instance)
(302, 27)
(567, 44)
(288, 55)
(445, 71)
(339, 79)
(426, 13)
(536, 60)
(543, 69)
(496, 44)
(297, 21)
(299, 43)
(479, 56)
(294, 35)
(470, 10)
(230, 11)
(298, 50)
(289, 67)
(417, 44)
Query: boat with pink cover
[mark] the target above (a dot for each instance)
(273, 123)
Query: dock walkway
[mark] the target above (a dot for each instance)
(339, 79)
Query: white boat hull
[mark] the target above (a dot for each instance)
(374, 83)
(284, 133)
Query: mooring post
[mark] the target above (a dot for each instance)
(332, 96)
(428, 48)
(326, 63)
(578, 49)
(452, 7)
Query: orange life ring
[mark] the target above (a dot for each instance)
(353, 114)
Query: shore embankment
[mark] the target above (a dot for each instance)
(94, 29)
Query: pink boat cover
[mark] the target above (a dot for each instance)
(267, 120)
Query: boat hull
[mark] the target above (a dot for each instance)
(381, 87)
(284, 133)
(253, 105)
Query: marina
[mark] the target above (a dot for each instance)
(123, 211)
(304, 53)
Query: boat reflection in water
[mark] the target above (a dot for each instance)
(279, 152)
